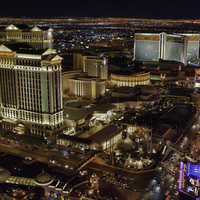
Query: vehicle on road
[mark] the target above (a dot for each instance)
(166, 192)
(147, 188)
(28, 160)
(175, 186)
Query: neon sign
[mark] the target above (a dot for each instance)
(182, 176)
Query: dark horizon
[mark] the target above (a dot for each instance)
(75, 17)
(154, 9)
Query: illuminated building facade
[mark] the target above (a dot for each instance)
(95, 66)
(36, 37)
(197, 77)
(129, 78)
(147, 46)
(66, 76)
(192, 47)
(154, 46)
(189, 177)
(87, 88)
(104, 139)
(31, 87)
(174, 47)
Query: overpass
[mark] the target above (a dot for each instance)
(181, 151)
(88, 158)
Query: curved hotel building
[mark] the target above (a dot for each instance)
(130, 78)
(31, 88)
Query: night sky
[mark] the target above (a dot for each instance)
(158, 9)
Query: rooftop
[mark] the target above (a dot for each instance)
(101, 136)
(161, 130)
(74, 138)
(130, 71)
(24, 48)
(4, 174)
(43, 178)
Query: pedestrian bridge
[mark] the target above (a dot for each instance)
(181, 151)
(88, 158)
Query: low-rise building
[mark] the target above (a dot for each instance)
(103, 139)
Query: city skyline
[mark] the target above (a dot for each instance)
(139, 9)
(99, 108)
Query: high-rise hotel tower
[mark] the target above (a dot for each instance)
(31, 87)
(176, 47)
(94, 65)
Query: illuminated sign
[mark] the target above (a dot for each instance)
(174, 39)
(55, 62)
(197, 77)
(195, 183)
(189, 178)
(193, 174)
(193, 169)
(197, 74)
(147, 37)
(182, 176)
(6, 54)
(197, 71)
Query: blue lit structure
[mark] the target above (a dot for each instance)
(198, 77)
(189, 179)
(193, 169)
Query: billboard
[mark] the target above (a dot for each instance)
(197, 72)
(189, 178)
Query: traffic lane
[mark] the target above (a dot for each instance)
(164, 177)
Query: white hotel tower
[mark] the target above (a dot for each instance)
(94, 65)
(31, 88)
(40, 38)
